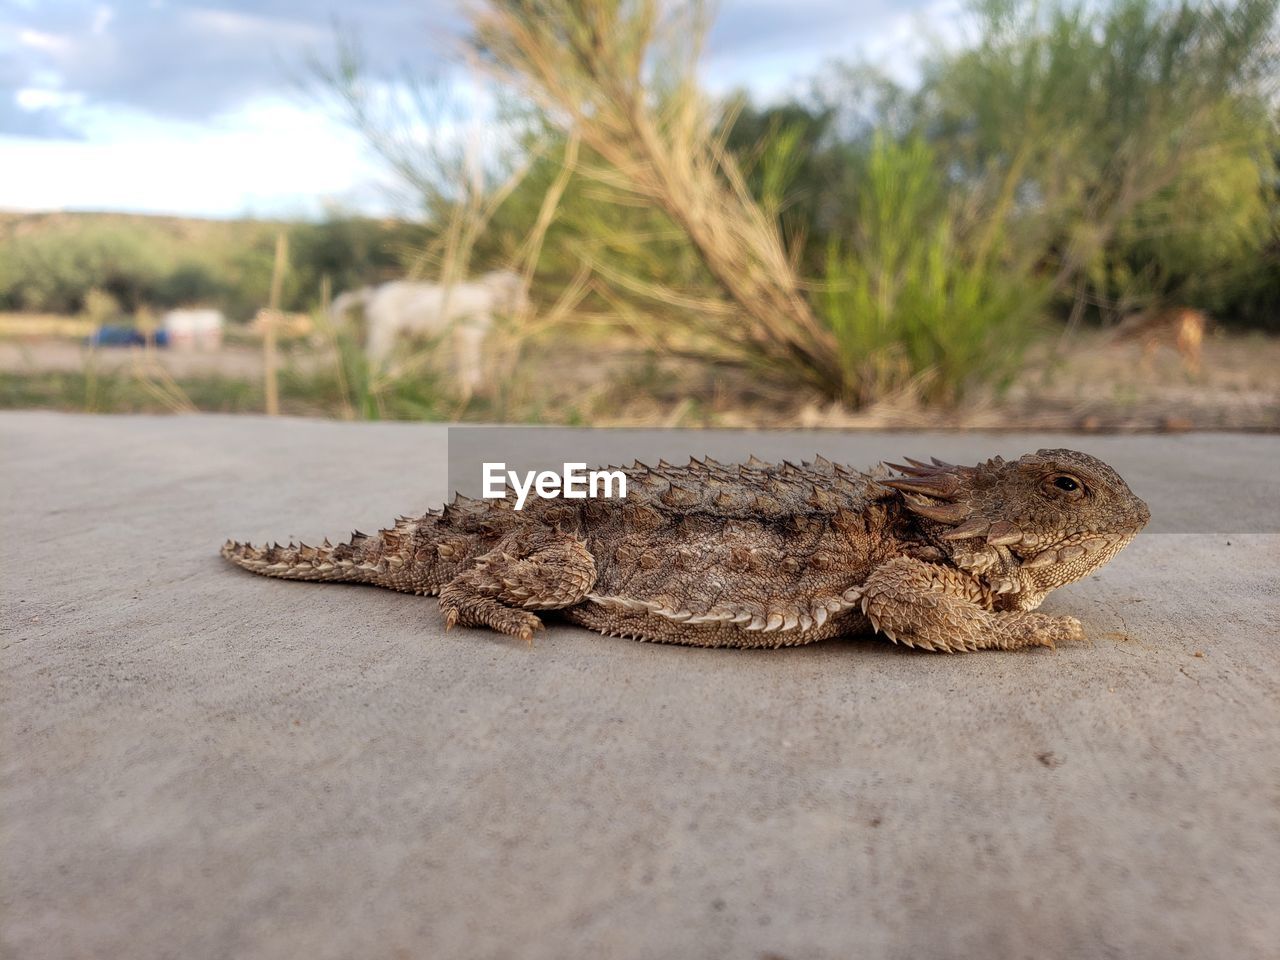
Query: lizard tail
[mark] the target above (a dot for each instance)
(386, 559)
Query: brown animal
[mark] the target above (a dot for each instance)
(944, 557)
(1181, 328)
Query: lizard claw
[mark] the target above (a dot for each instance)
(1050, 631)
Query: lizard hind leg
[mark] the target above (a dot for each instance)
(525, 572)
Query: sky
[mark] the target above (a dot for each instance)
(201, 109)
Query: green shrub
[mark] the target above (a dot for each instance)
(51, 262)
(55, 270)
(915, 298)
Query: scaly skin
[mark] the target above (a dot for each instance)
(945, 557)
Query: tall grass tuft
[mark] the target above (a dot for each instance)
(912, 300)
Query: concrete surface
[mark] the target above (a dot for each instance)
(198, 763)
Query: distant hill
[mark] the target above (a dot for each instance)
(26, 223)
(51, 261)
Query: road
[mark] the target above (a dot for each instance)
(198, 763)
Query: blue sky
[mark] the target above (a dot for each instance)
(193, 108)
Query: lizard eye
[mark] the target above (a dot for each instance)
(1063, 485)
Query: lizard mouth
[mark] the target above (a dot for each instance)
(1103, 546)
(1034, 570)
(1063, 563)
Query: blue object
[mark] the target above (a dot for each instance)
(124, 337)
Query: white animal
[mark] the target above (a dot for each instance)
(407, 308)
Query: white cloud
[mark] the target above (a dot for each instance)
(906, 38)
(102, 17)
(50, 43)
(774, 48)
(42, 98)
(271, 158)
(231, 24)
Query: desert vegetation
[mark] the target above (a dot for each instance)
(1056, 168)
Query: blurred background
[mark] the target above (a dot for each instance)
(758, 213)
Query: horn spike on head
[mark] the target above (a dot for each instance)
(914, 471)
(944, 486)
(1004, 533)
(977, 527)
(951, 513)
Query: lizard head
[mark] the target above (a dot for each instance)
(1025, 526)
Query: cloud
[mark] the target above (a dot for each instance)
(191, 106)
(745, 27)
(274, 160)
(193, 62)
(771, 46)
(41, 122)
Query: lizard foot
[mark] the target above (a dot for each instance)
(473, 611)
(1042, 630)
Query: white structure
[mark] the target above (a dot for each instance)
(465, 310)
(194, 329)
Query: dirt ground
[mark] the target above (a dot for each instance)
(1086, 383)
(68, 356)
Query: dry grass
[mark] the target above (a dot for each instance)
(44, 325)
(598, 378)
(1090, 384)
(621, 77)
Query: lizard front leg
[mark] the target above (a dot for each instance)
(940, 608)
(538, 571)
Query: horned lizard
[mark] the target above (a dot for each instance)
(943, 557)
